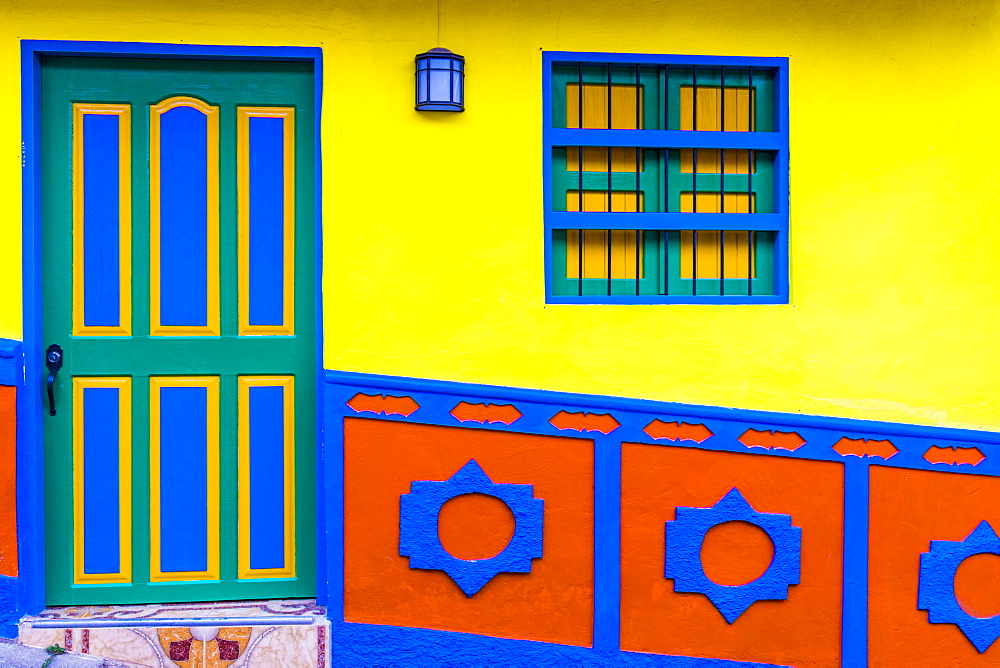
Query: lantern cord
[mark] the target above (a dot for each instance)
(439, 22)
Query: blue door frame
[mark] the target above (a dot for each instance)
(30, 474)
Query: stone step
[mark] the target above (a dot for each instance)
(287, 633)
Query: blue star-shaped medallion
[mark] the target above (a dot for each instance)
(936, 591)
(685, 536)
(418, 531)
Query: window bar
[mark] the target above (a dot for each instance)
(579, 180)
(610, 124)
(666, 171)
(665, 86)
(694, 180)
(608, 233)
(722, 235)
(750, 158)
(722, 180)
(637, 184)
(666, 262)
(609, 208)
(694, 97)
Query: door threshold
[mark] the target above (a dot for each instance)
(280, 612)
(282, 632)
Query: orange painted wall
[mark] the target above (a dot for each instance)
(553, 603)
(8, 499)
(802, 631)
(909, 509)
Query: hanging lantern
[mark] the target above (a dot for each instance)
(440, 81)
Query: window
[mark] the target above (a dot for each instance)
(666, 179)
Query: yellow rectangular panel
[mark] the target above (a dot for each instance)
(622, 201)
(243, 116)
(123, 474)
(710, 161)
(624, 98)
(625, 247)
(288, 479)
(595, 159)
(156, 326)
(711, 202)
(738, 258)
(124, 112)
(157, 510)
(708, 116)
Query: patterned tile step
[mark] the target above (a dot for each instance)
(286, 633)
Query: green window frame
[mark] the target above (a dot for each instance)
(722, 187)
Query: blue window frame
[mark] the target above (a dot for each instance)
(666, 179)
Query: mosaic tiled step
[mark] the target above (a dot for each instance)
(290, 633)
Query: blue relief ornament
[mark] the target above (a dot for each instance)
(685, 536)
(418, 527)
(936, 592)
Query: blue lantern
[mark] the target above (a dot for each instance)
(440, 81)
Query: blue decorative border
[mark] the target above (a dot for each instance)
(30, 474)
(8, 607)
(777, 140)
(11, 372)
(436, 400)
(373, 645)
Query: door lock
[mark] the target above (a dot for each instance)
(53, 362)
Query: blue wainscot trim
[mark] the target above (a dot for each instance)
(10, 374)
(10, 362)
(370, 644)
(857, 444)
(8, 607)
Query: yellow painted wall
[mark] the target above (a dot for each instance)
(433, 222)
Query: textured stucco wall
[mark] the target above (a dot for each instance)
(893, 182)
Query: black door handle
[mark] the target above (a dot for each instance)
(53, 362)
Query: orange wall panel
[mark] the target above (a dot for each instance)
(8, 498)
(553, 603)
(909, 509)
(803, 630)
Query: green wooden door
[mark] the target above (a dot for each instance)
(179, 280)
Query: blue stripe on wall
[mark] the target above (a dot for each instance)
(9, 615)
(101, 486)
(10, 361)
(183, 217)
(101, 298)
(267, 472)
(183, 479)
(267, 220)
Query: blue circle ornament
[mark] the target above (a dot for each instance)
(686, 533)
(418, 527)
(936, 591)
